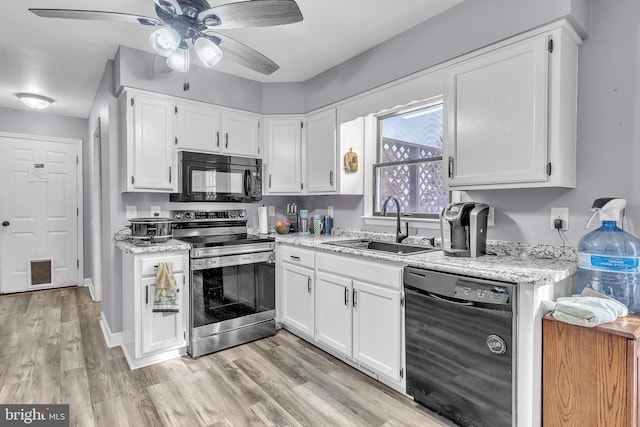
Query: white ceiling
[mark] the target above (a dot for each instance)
(64, 59)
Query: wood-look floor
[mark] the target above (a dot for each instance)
(52, 351)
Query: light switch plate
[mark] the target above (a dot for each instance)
(330, 211)
(271, 210)
(155, 211)
(132, 212)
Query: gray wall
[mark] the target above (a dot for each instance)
(608, 103)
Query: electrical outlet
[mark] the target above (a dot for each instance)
(559, 213)
(155, 211)
(271, 210)
(490, 217)
(132, 212)
(330, 211)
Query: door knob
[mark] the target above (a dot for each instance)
(5, 223)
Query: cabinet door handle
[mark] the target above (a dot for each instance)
(450, 167)
(218, 139)
(226, 140)
(146, 294)
(294, 257)
(355, 298)
(309, 284)
(169, 174)
(269, 180)
(330, 177)
(346, 296)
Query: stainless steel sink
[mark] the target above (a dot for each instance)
(380, 246)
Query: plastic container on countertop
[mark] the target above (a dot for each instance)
(608, 257)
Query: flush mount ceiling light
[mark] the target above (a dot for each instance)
(37, 102)
(184, 21)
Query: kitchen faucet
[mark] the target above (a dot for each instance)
(399, 235)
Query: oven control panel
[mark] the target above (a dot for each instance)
(191, 216)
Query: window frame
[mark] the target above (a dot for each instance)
(375, 211)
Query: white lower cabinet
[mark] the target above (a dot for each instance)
(353, 309)
(377, 336)
(297, 302)
(297, 286)
(151, 337)
(333, 311)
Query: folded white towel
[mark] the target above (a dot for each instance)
(166, 296)
(589, 309)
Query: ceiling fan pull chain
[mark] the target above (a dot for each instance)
(185, 87)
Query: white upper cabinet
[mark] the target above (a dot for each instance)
(197, 127)
(240, 134)
(209, 129)
(511, 113)
(320, 154)
(147, 138)
(283, 166)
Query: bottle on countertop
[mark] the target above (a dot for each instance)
(608, 258)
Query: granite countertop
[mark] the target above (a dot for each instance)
(129, 247)
(513, 262)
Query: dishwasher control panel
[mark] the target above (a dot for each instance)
(477, 292)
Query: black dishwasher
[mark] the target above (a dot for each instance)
(459, 346)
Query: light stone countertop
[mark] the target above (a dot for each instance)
(128, 246)
(514, 262)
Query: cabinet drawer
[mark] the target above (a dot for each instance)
(387, 275)
(148, 265)
(297, 256)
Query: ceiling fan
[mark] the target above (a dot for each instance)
(181, 21)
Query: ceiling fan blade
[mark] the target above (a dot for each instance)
(96, 15)
(160, 65)
(243, 54)
(177, 9)
(255, 13)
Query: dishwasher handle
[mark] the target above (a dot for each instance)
(411, 292)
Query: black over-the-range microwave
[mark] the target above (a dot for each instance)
(218, 178)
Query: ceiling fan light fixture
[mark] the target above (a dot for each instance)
(179, 60)
(37, 102)
(165, 41)
(208, 52)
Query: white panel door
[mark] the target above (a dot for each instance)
(241, 134)
(160, 331)
(297, 298)
(321, 152)
(284, 157)
(497, 116)
(39, 214)
(377, 328)
(153, 153)
(333, 312)
(198, 128)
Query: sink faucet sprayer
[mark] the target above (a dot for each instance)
(399, 235)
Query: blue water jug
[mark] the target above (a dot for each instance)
(608, 259)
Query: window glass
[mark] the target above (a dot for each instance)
(409, 161)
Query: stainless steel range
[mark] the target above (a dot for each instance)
(232, 279)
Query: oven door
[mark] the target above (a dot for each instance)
(206, 177)
(231, 292)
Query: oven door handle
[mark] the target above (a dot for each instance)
(231, 260)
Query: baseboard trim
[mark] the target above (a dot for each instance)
(89, 284)
(111, 339)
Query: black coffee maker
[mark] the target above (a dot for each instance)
(464, 229)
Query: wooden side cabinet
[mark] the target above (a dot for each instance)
(590, 375)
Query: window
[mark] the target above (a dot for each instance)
(409, 161)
